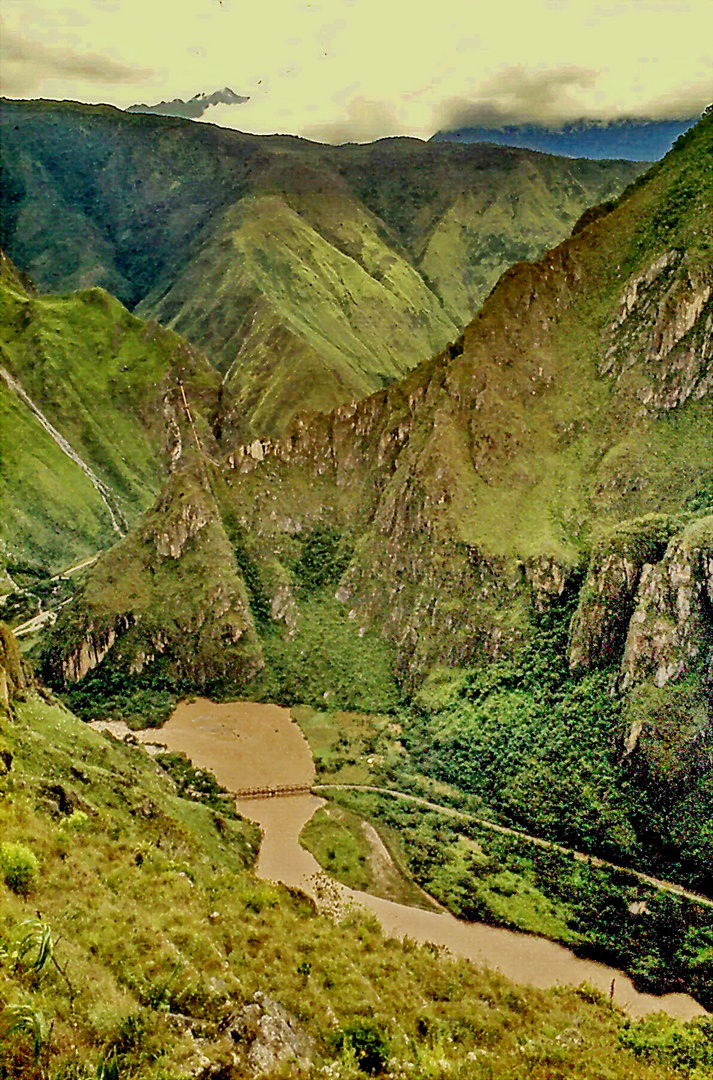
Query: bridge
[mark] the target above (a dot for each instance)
(273, 792)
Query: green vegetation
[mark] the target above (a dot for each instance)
(19, 867)
(657, 1040)
(535, 742)
(192, 783)
(100, 377)
(359, 856)
(662, 940)
(526, 743)
(170, 934)
(108, 694)
(351, 747)
(326, 661)
(36, 590)
(314, 274)
(340, 845)
(324, 557)
(542, 747)
(473, 493)
(367, 1043)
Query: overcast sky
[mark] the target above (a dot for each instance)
(340, 70)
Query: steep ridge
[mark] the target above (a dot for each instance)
(327, 310)
(329, 269)
(472, 489)
(93, 418)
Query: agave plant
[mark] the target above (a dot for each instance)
(33, 946)
(24, 1018)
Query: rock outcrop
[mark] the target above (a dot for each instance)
(661, 337)
(270, 1037)
(671, 628)
(608, 596)
(647, 601)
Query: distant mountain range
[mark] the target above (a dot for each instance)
(632, 140)
(194, 107)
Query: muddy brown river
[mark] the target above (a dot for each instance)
(248, 745)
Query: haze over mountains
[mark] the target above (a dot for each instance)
(630, 139)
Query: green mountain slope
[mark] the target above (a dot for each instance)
(351, 312)
(563, 410)
(314, 273)
(92, 418)
(556, 414)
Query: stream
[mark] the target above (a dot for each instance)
(248, 745)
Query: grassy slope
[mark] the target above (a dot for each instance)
(356, 312)
(483, 231)
(341, 843)
(57, 516)
(153, 909)
(100, 376)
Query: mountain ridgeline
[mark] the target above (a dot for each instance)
(628, 138)
(193, 108)
(309, 275)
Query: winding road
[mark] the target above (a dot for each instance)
(50, 614)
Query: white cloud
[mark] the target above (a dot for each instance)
(356, 69)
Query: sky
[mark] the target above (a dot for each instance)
(357, 70)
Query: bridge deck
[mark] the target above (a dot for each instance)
(273, 792)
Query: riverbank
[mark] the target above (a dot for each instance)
(250, 745)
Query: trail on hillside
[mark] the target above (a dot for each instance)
(118, 521)
(581, 856)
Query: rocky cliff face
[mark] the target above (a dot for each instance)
(661, 338)
(608, 596)
(170, 594)
(647, 602)
(671, 628)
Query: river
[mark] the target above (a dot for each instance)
(247, 745)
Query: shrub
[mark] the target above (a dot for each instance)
(19, 867)
(368, 1044)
